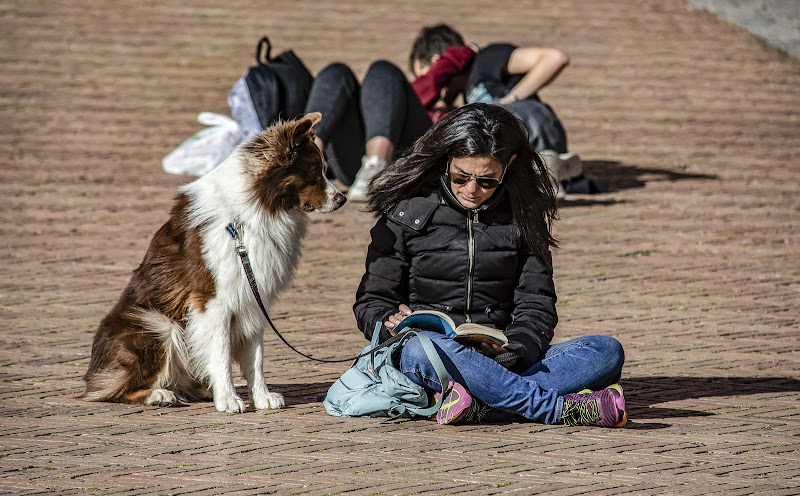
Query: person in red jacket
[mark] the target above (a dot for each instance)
(437, 80)
(502, 74)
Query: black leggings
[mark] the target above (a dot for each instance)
(383, 105)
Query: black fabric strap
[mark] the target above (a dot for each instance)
(263, 45)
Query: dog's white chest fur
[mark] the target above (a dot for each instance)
(272, 242)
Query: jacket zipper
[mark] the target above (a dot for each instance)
(471, 248)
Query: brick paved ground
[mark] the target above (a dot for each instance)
(691, 260)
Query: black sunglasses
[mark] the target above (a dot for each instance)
(482, 181)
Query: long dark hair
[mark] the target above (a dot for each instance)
(476, 129)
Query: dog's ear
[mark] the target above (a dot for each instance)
(314, 117)
(298, 134)
(307, 122)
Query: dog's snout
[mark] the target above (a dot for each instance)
(339, 199)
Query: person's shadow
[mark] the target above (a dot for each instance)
(610, 175)
(641, 393)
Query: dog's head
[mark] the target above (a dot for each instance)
(288, 170)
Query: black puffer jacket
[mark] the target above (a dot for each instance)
(432, 253)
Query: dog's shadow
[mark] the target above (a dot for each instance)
(293, 393)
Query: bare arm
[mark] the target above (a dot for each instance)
(540, 66)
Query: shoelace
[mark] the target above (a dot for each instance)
(477, 411)
(581, 412)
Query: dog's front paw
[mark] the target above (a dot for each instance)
(162, 397)
(268, 401)
(229, 404)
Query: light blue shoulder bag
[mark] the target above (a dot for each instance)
(373, 387)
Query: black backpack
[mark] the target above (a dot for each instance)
(275, 88)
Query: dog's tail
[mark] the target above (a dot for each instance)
(170, 333)
(121, 373)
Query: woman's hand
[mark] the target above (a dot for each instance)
(397, 318)
(492, 350)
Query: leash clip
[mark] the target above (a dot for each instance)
(236, 235)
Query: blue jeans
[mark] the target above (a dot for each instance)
(593, 362)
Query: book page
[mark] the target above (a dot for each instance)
(472, 329)
(475, 340)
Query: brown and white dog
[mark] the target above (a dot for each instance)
(188, 309)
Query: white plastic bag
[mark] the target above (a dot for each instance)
(206, 148)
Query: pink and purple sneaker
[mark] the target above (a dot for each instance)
(459, 406)
(605, 408)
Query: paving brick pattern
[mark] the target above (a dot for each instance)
(691, 259)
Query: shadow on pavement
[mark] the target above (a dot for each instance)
(623, 176)
(661, 389)
(294, 394)
(641, 393)
(588, 201)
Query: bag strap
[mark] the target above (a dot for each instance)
(441, 373)
(263, 44)
(375, 345)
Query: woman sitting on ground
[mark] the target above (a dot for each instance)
(464, 227)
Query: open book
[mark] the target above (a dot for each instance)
(468, 333)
